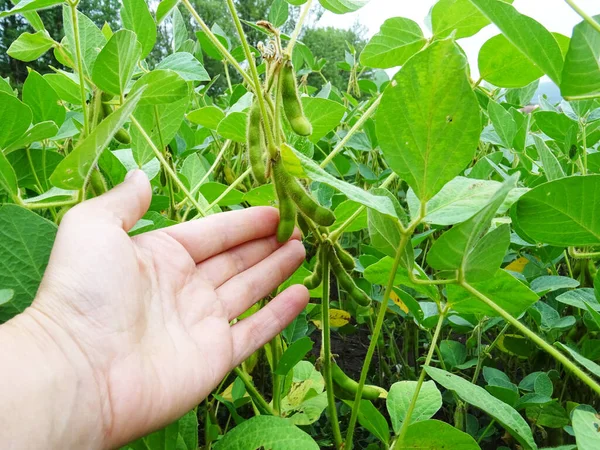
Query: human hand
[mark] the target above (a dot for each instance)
(142, 325)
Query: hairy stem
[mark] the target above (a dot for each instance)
(589, 19)
(326, 356)
(165, 164)
(298, 29)
(568, 364)
(75, 20)
(253, 392)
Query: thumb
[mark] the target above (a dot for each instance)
(127, 202)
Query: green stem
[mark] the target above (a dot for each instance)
(165, 164)
(75, 20)
(326, 356)
(413, 402)
(490, 425)
(256, 80)
(335, 235)
(275, 354)
(253, 392)
(358, 125)
(569, 365)
(215, 41)
(583, 255)
(208, 173)
(374, 338)
(230, 188)
(584, 15)
(298, 28)
(585, 154)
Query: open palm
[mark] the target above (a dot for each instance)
(151, 314)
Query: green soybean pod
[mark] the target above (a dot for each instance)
(309, 207)
(291, 101)
(348, 385)
(346, 281)
(314, 280)
(255, 141)
(287, 208)
(345, 258)
(97, 183)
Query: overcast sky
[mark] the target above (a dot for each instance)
(555, 15)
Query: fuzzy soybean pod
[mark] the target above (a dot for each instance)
(348, 385)
(346, 281)
(291, 101)
(287, 208)
(255, 141)
(345, 258)
(309, 207)
(314, 280)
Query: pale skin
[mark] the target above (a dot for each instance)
(127, 334)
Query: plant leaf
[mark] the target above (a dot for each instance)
(436, 435)
(323, 114)
(137, 18)
(72, 171)
(397, 40)
(480, 398)
(29, 47)
(25, 243)
(562, 212)
(116, 62)
(15, 117)
(586, 425)
(429, 401)
(186, 65)
(581, 72)
(343, 6)
(457, 15)
(430, 112)
(271, 432)
(42, 99)
(528, 35)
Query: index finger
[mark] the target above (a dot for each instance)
(215, 234)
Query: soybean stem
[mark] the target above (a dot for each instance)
(298, 28)
(168, 168)
(255, 79)
(230, 188)
(569, 365)
(75, 20)
(359, 123)
(252, 391)
(215, 41)
(589, 19)
(326, 354)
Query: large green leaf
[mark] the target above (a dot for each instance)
(480, 398)
(116, 62)
(380, 203)
(460, 199)
(370, 418)
(29, 47)
(323, 114)
(207, 116)
(90, 37)
(504, 124)
(180, 435)
(502, 64)
(562, 212)
(279, 13)
(400, 395)
(457, 15)
(528, 35)
(586, 425)
(38, 132)
(503, 289)
(435, 435)
(161, 123)
(8, 178)
(15, 118)
(429, 113)
(65, 86)
(25, 243)
(270, 432)
(25, 6)
(42, 99)
(552, 167)
(581, 72)
(383, 230)
(186, 65)
(398, 40)
(234, 126)
(343, 6)
(486, 257)
(72, 171)
(164, 8)
(452, 251)
(137, 18)
(161, 86)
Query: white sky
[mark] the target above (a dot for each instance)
(555, 15)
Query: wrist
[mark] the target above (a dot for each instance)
(49, 386)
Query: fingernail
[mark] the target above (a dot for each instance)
(130, 174)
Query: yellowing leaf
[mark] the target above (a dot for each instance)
(337, 318)
(518, 265)
(398, 301)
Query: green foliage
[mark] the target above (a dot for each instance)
(450, 233)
